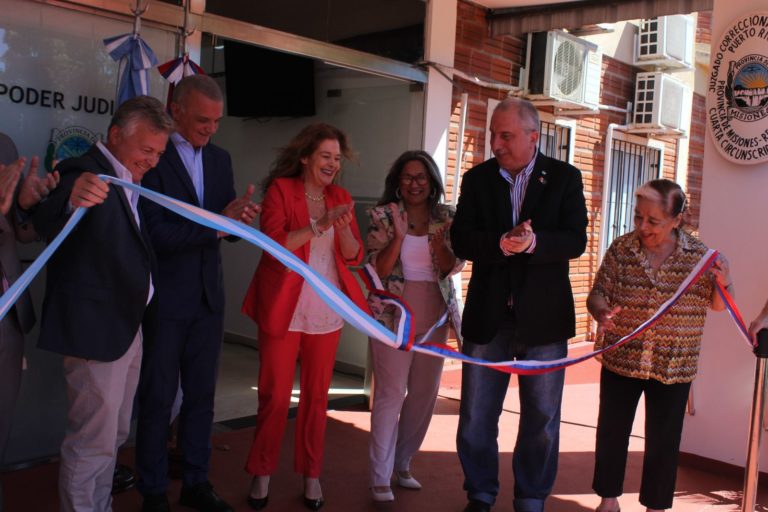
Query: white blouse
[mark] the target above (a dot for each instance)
(416, 259)
(312, 314)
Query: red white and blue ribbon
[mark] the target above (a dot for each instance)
(532, 367)
(339, 302)
(733, 310)
(135, 59)
(404, 334)
(176, 69)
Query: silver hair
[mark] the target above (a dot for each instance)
(524, 109)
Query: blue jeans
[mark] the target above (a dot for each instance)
(534, 462)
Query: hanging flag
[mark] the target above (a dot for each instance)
(135, 59)
(176, 69)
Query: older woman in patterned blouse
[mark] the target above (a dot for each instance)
(409, 247)
(640, 271)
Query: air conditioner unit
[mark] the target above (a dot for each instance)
(662, 104)
(666, 42)
(563, 68)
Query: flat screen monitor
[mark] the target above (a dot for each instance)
(267, 83)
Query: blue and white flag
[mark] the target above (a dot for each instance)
(135, 59)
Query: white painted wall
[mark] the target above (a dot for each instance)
(619, 42)
(439, 47)
(733, 212)
(376, 113)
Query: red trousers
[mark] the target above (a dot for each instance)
(278, 355)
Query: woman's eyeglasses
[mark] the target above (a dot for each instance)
(407, 179)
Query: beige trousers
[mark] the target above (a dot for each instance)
(98, 421)
(405, 388)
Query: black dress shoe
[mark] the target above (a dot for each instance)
(314, 503)
(477, 506)
(155, 503)
(203, 498)
(258, 503)
(122, 478)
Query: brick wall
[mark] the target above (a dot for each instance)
(704, 27)
(696, 160)
(498, 59)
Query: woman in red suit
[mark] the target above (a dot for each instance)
(305, 212)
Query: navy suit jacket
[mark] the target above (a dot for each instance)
(538, 283)
(97, 282)
(188, 254)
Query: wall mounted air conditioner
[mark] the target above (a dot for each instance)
(666, 42)
(662, 104)
(563, 68)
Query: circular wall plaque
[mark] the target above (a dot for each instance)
(737, 92)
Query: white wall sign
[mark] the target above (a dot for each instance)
(57, 81)
(737, 96)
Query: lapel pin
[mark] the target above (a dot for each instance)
(544, 173)
(542, 180)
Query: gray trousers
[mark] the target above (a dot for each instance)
(11, 355)
(98, 421)
(405, 389)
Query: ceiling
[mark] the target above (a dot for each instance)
(503, 4)
(326, 20)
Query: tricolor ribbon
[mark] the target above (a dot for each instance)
(404, 334)
(733, 310)
(347, 309)
(176, 69)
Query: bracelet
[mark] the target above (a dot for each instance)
(314, 227)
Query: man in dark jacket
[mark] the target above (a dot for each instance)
(184, 345)
(98, 288)
(521, 217)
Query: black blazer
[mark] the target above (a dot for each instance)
(188, 254)
(98, 281)
(538, 282)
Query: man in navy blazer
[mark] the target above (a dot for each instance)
(185, 344)
(98, 287)
(521, 217)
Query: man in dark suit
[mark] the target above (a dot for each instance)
(520, 218)
(98, 287)
(15, 228)
(184, 348)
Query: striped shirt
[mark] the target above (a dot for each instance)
(517, 187)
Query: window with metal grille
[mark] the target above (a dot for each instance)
(554, 140)
(631, 166)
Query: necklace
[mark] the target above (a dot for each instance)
(412, 225)
(314, 198)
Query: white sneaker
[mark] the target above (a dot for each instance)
(383, 495)
(405, 479)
